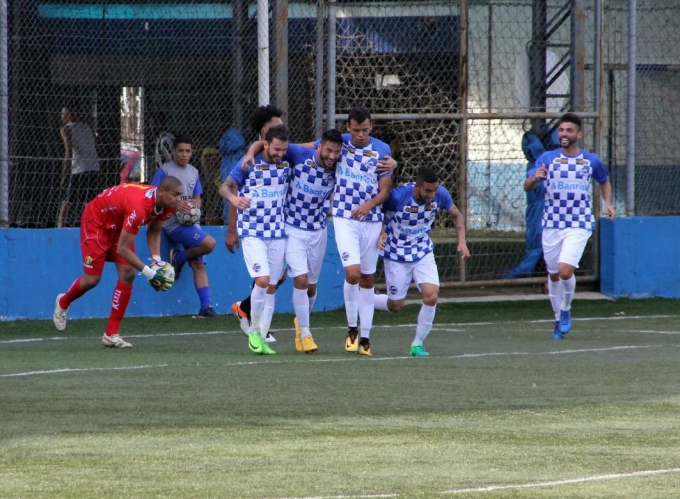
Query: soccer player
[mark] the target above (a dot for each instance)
(263, 118)
(80, 158)
(568, 219)
(407, 249)
(195, 241)
(360, 190)
(305, 212)
(108, 230)
(258, 194)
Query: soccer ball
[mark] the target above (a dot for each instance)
(189, 218)
(168, 271)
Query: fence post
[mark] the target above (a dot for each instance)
(463, 178)
(332, 32)
(4, 118)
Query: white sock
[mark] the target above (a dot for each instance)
(381, 303)
(351, 295)
(555, 294)
(366, 310)
(425, 320)
(267, 314)
(256, 306)
(301, 306)
(312, 300)
(568, 288)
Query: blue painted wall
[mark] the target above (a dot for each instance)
(639, 257)
(39, 264)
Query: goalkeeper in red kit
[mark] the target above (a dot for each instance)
(108, 230)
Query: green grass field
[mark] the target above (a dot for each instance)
(499, 411)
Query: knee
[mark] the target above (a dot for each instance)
(352, 276)
(395, 306)
(208, 245)
(89, 281)
(430, 299)
(127, 274)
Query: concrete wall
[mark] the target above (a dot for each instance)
(639, 257)
(38, 264)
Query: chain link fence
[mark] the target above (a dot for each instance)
(132, 71)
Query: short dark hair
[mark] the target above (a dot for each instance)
(332, 135)
(427, 175)
(170, 182)
(571, 118)
(280, 132)
(263, 115)
(359, 115)
(182, 139)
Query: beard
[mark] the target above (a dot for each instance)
(567, 142)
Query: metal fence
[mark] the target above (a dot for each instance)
(452, 84)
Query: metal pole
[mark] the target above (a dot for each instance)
(318, 87)
(578, 32)
(598, 80)
(332, 34)
(537, 61)
(263, 52)
(461, 202)
(240, 15)
(4, 117)
(282, 54)
(597, 133)
(630, 111)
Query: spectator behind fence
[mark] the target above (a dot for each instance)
(80, 157)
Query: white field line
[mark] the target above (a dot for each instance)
(340, 359)
(649, 332)
(568, 481)
(492, 488)
(443, 327)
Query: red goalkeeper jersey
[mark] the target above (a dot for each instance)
(125, 207)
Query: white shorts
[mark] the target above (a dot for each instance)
(264, 257)
(398, 275)
(305, 250)
(563, 246)
(358, 243)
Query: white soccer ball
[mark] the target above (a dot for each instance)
(189, 218)
(168, 271)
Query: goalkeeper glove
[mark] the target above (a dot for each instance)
(157, 276)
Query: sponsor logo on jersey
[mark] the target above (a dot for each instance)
(131, 219)
(88, 261)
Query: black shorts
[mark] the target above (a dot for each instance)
(82, 187)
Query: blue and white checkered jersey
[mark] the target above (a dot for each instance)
(266, 184)
(408, 223)
(191, 186)
(308, 200)
(357, 179)
(567, 188)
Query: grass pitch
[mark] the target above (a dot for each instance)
(500, 410)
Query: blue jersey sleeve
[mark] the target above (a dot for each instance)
(599, 172)
(158, 178)
(237, 174)
(399, 197)
(297, 154)
(443, 198)
(198, 188)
